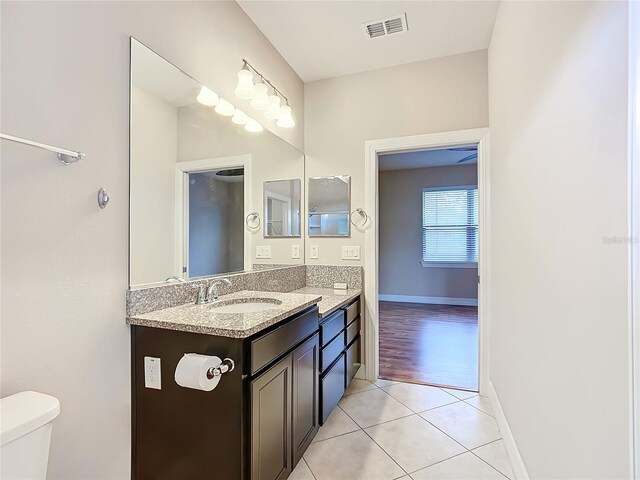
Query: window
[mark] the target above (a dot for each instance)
(450, 226)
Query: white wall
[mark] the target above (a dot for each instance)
(400, 220)
(65, 81)
(342, 113)
(559, 340)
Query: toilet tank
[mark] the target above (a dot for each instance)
(25, 431)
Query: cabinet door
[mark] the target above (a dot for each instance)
(305, 396)
(271, 402)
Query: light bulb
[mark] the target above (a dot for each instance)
(240, 118)
(273, 112)
(253, 126)
(225, 108)
(261, 99)
(245, 89)
(285, 120)
(207, 97)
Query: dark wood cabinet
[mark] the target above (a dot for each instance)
(271, 412)
(305, 396)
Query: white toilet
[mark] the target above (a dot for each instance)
(25, 431)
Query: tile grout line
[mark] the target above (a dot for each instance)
(465, 401)
(309, 467)
(379, 446)
(483, 460)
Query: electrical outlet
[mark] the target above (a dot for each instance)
(295, 251)
(313, 251)
(263, 252)
(152, 373)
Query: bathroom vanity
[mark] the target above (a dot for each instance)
(292, 365)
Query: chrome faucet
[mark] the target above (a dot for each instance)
(212, 292)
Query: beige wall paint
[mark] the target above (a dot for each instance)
(558, 111)
(65, 81)
(342, 113)
(400, 200)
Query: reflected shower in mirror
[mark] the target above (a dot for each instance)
(329, 202)
(196, 173)
(282, 208)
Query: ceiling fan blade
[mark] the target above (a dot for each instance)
(473, 156)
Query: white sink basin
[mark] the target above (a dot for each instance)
(245, 305)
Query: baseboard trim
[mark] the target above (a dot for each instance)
(517, 465)
(466, 302)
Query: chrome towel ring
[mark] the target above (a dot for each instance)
(362, 214)
(251, 224)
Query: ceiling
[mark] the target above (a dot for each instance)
(322, 39)
(424, 159)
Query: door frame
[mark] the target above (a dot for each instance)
(182, 203)
(373, 148)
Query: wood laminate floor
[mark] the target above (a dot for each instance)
(432, 344)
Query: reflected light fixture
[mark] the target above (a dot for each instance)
(225, 108)
(253, 126)
(286, 120)
(245, 89)
(207, 97)
(240, 118)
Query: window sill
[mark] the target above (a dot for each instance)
(449, 264)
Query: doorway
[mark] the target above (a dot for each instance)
(373, 151)
(428, 266)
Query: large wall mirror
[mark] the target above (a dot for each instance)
(329, 205)
(197, 178)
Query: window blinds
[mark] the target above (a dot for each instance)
(450, 225)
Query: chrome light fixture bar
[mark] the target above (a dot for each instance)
(271, 105)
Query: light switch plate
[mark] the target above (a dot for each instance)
(263, 252)
(350, 253)
(152, 373)
(313, 251)
(295, 251)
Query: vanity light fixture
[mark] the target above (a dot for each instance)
(225, 108)
(272, 105)
(245, 89)
(261, 99)
(285, 120)
(273, 111)
(207, 97)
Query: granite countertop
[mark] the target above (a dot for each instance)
(331, 299)
(204, 318)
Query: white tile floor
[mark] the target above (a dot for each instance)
(390, 430)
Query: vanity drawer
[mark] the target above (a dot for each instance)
(353, 330)
(352, 311)
(330, 327)
(353, 361)
(269, 347)
(332, 351)
(331, 389)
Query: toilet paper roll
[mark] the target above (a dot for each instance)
(191, 371)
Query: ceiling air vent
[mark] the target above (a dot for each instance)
(386, 26)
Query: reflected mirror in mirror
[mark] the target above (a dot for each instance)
(195, 175)
(329, 202)
(282, 208)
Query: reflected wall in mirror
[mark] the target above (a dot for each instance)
(194, 177)
(329, 204)
(282, 208)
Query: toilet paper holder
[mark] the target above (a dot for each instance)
(226, 366)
